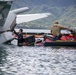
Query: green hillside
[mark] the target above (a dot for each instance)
(69, 16)
(65, 16)
(64, 11)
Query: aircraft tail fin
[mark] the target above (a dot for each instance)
(5, 6)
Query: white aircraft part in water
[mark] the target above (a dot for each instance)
(30, 17)
(8, 20)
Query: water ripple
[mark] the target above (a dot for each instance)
(38, 61)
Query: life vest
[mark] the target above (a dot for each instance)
(67, 37)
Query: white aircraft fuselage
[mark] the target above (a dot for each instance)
(9, 19)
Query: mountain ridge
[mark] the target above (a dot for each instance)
(62, 10)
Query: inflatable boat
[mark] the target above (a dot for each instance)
(47, 40)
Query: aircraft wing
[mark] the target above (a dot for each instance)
(30, 17)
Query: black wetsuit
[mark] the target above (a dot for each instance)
(20, 39)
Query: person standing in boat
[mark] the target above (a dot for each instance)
(20, 37)
(56, 30)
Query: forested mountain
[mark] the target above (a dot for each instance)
(62, 10)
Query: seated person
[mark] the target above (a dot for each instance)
(56, 30)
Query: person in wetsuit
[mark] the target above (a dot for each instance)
(20, 37)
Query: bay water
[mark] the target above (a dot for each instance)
(37, 60)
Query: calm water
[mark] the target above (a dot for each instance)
(37, 60)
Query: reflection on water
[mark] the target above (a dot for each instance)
(37, 60)
(3, 55)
